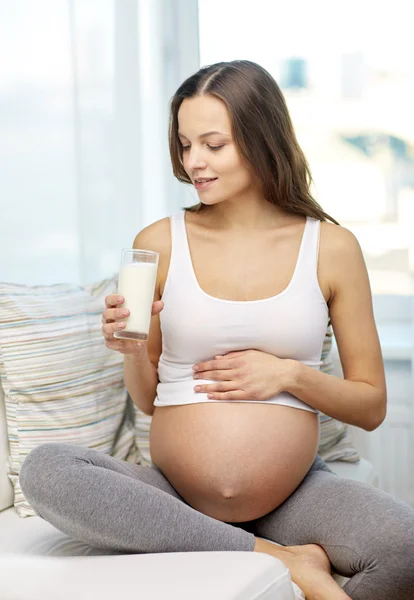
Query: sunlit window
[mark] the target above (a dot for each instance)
(348, 77)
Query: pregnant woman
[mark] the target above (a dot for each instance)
(247, 282)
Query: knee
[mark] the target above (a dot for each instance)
(395, 559)
(399, 559)
(38, 465)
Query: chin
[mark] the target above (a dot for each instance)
(210, 201)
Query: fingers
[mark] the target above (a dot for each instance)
(111, 321)
(215, 375)
(218, 364)
(110, 328)
(113, 300)
(111, 314)
(230, 395)
(157, 307)
(219, 387)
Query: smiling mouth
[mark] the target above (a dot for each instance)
(201, 185)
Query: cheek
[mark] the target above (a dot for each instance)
(229, 164)
(237, 175)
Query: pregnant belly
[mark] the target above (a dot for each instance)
(234, 462)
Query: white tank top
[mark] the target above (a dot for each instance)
(196, 326)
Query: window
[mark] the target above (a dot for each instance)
(348, 80)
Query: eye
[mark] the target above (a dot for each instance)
(212, 148)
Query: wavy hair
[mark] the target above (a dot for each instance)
(262, 130)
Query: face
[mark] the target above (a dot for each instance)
(210, 156)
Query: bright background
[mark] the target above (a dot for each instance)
(84, 165)
(347, 73)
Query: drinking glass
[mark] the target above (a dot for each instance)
(136, 283)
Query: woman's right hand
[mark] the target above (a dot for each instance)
(112, 321)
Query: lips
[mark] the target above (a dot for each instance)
(202, 185)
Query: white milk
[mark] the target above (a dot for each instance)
(136, 284)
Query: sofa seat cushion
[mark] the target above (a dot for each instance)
(174, 575)
(36, 536)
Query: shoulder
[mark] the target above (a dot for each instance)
(341, 261)
(155, 237)
(337, 241)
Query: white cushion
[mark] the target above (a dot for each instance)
(35, 536)
(176, 576)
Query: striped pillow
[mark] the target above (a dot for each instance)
(61, 383)
(334, 443)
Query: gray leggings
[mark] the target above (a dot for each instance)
(109, 503)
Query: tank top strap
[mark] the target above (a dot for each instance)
(181, 268)
(309, 252)
(180, 260)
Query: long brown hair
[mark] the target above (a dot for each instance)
(262, 130)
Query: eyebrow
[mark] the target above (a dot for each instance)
(203, 135)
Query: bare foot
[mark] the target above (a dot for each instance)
(309, 568)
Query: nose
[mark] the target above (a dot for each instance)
(195, 160)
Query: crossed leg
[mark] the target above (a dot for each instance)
(110, 503)
(367, 534)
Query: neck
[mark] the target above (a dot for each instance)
(244, 215)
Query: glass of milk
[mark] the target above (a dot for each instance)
(136, 283)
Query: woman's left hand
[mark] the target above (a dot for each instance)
(244, 375)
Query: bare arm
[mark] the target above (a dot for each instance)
(141, 361)
(141, 372)
(360, 398)
(141, 380)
